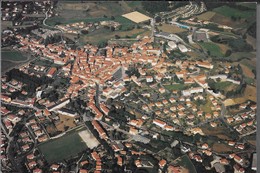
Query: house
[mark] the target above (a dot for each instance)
(37, 170)
(32, 164)
(161, 90)
(204, 64)
(159, 123)
(149, 79)
(51, 72)
(55, 167)
(162, 163)
(133, 131)
(83, 171)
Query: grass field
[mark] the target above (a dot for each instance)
(207, 107)
(11, 55)
(206, 16)
(175, 87)
(62, 148)
(184, 161)
(60, 20)
(251, 5)
(213, 48)
(171, 28)
(223, 85)
(104, 35)
(228, 12)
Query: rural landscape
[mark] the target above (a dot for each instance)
(128, 86)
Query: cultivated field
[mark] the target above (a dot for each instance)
(221, 148)
(67, 146)
(228, 12)
(89, 139)
(171, 28)
(220, 132)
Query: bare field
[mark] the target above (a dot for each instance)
(89, 139)
(65, 121)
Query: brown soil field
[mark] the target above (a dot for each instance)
(249, 94)
(221, 148)
(248, 72)
(252, 142)
(171, 28)
(251, 40)
(65, 121)
(220, 132)
(223, 48)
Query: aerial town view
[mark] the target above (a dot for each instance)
(128, 87)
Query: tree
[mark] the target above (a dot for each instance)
(84, 31)
(117, 37)
(228, 53)
(158, 19)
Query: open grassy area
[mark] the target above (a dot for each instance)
(11, 55)
(207, 107)
(175, 87)
(251, 5)
(223, 85)
(60, 20)
(104, 35)
(213, 48)
(62, 148)
(228, 12)
(206, 16)
(185, 162)
(171, 28)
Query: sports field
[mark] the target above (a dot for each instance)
(11, 55)
(63, 147)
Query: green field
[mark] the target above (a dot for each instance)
(213, 48)
(175, 87)
(185, 162)
(62, 148)
(59, 20)
(228, 12)
(222, 85)
(10, 55)
(251, 5)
